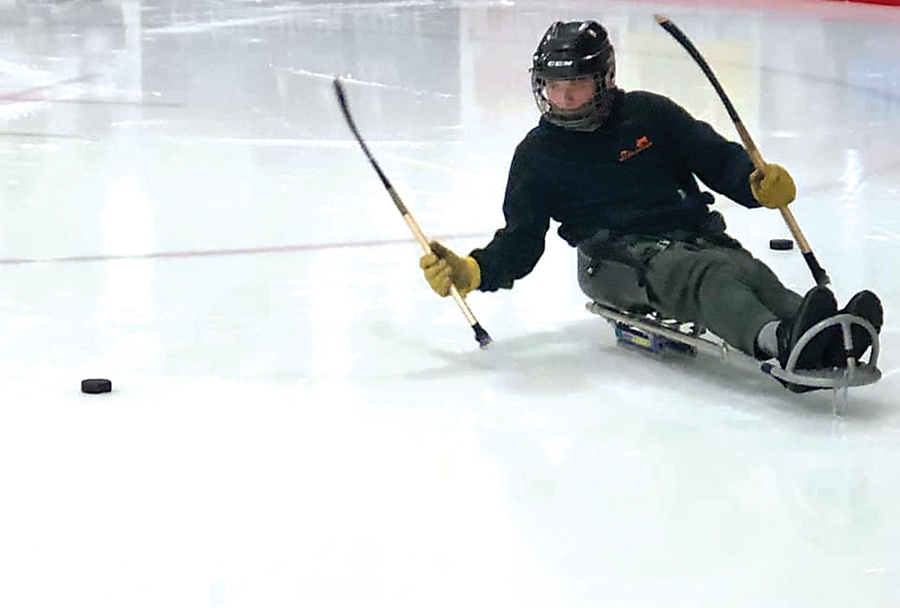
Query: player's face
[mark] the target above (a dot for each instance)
(571, 94)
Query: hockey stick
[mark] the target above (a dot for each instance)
(483, 338)
(819, 274)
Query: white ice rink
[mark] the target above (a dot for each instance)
(297, 420)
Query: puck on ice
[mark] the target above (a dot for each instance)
(96, 385)
(781, 244)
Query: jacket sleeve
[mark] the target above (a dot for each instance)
(722, 165)
(517, 247)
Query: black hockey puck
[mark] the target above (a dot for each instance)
(781, 244)
(95, 386)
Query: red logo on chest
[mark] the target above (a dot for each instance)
(642, 143)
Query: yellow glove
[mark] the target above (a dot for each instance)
(773, 186)
(443, 267)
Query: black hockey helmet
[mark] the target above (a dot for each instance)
(570, 50)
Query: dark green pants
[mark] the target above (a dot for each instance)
(721, 287)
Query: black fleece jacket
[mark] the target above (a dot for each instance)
(635, 175)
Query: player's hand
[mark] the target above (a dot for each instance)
(773, 186)
(444, 268)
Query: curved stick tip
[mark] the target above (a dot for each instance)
(660, 19)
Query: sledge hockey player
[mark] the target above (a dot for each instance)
(618, 170)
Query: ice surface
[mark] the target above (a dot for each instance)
(298, 421)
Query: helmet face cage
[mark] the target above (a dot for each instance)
(570, 51)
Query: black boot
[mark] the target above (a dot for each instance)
(817, 305)
(864, 304)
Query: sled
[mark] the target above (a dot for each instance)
(657, 336)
